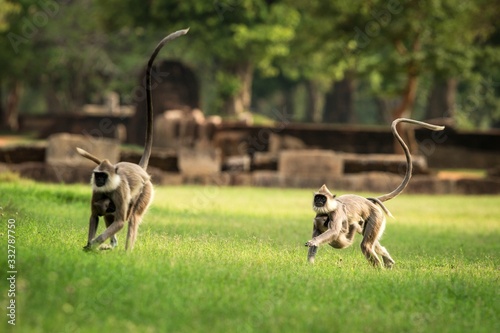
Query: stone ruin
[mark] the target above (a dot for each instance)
(60, 163)
(61, 149)
(191, 148)
(57, 161)
(180, 127)
(189, 135)
(174, 87)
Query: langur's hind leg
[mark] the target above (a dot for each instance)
(133, 226)
(374, 228)
(386, 257)
(136, 212)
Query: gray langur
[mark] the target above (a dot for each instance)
(338, 219)
(123, 192)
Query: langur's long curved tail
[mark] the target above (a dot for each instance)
(143, 163)
(88, 155)
(149, 129)
(409, 165)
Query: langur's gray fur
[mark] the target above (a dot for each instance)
(123, 192)
(339, 218)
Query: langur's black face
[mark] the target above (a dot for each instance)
(319, 200)
(100, 178)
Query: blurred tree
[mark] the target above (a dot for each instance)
(318, 58)
(441, 38)
(442, 99)
(236, 36)
(339, 48)
(389, 43)
(8, 113)
(478, 98)
(52, 47)
(7, 8)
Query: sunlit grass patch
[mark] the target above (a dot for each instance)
(215, 259)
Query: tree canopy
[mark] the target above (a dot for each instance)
(391, 53)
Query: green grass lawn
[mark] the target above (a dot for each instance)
(212, 259)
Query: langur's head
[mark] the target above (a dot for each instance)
(324, 201)
(104, 177)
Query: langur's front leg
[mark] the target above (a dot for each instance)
(328, 236)
(311, 253)
(116, 226)
(118, 223)
(345, 240)
(93, 223)
(109, 219)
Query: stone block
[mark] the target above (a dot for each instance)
(266, 178)
(309, 163)
(241, 179)
(32, 152)
(422, 184)
(199, 162)
(278, 143)
(53, 173)
(265, 161)
(478, 186)
(394, 163)
(237, 163)
(61, 149)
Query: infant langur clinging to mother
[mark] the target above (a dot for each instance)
(339, 218)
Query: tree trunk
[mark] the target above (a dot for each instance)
(310, 102)
(441, 101)
(313, 101)
(289, 100)
(2, 108)
(339, 106)
(11, 115)
(240, 101)
(52, 100)
(405, 108)
(384, 109)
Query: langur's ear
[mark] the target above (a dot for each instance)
(116, 169)
(325, 190)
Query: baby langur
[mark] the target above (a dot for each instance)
(105, 207)
(123, 192)
(339, 218)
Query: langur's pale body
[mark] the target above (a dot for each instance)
(123, 192)
(338, 219)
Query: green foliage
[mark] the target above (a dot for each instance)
(211, 259)
(66, 59)
(382, 42)
(53, 47)
(423, 36)
(7, 8)
(228, 84)
(231, 32)
(232, 37)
